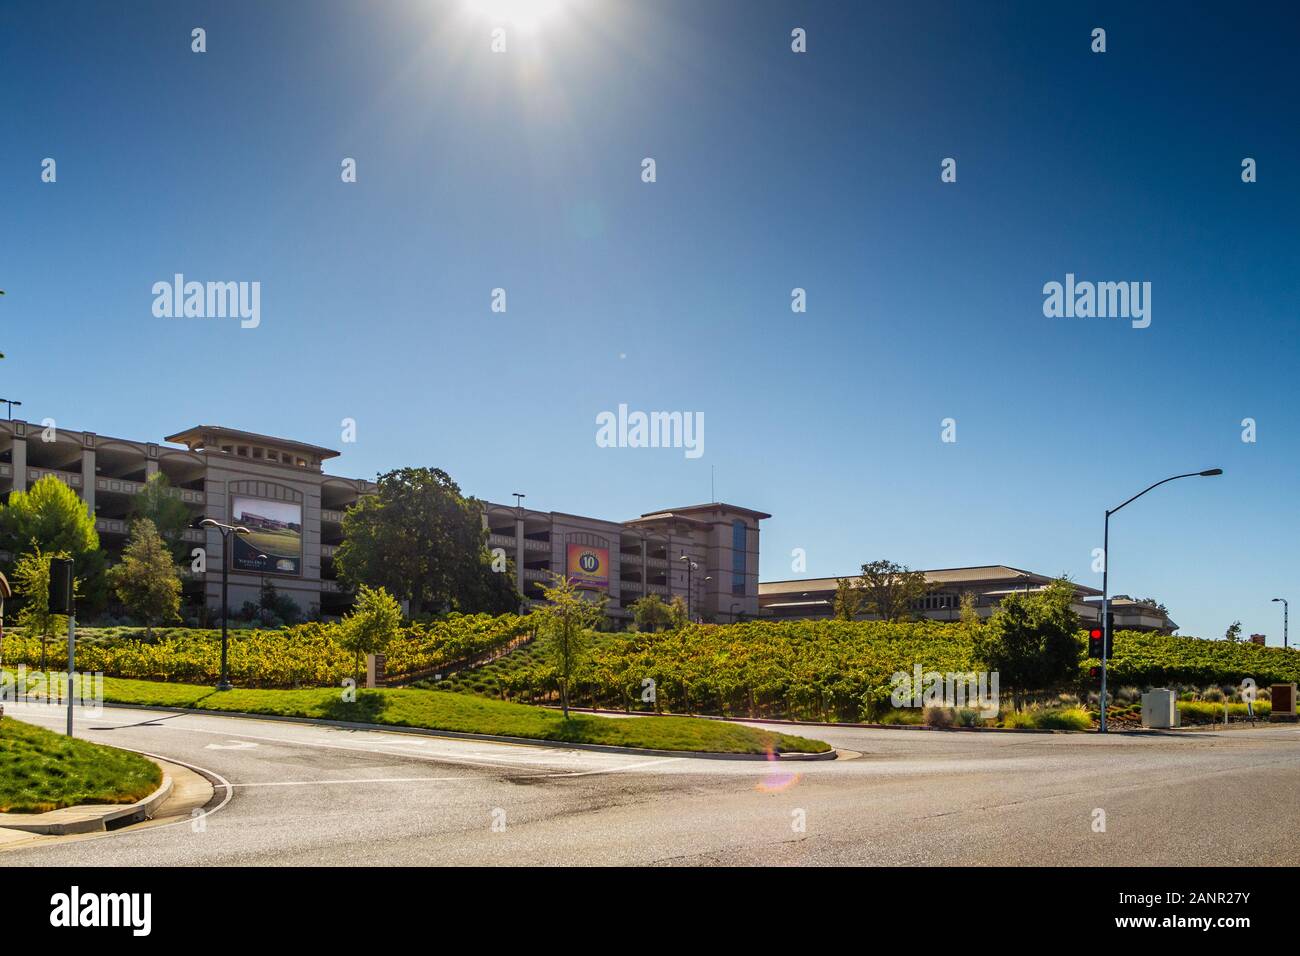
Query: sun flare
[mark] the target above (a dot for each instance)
(525, 15)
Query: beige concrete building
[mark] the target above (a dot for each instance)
(989, 584)
(276, 486)
(708, 552)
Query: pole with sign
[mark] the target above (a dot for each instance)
(62, 602)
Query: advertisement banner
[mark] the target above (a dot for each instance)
(588, 567)
(274, 545)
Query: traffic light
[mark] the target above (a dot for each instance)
(60, 593)
(1096, 638)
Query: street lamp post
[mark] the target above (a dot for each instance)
(261, 593)
(691, 568)
(10, 402)
(226, 531)
(1105, 574)
(1285, 613)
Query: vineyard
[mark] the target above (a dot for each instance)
(304, 655)
(806, 670)
(813, 670)
(1156, 660)
(830, 670)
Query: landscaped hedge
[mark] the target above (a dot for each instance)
(304, 655)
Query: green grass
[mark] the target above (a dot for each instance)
(41, 770)
(440, 710)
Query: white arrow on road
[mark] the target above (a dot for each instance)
(233, 745)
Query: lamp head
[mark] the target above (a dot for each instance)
(1211, 472)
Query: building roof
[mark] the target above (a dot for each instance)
(948, 577)
(712, 506)
(201, 436)
(659, 516)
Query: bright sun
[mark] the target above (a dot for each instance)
(526, 15)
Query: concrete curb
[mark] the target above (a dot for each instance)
(88, 817)
(489, 738)
(813, 723)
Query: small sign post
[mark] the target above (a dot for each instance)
(61, 601)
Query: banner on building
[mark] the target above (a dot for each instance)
(588, 567)
(274, 544)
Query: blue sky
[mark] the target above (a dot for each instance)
(775, 170)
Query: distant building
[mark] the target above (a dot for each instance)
(811, 598)
(1259, 639)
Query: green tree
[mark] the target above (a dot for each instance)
(1233, 633)
(848, 599)
(372, 625)
(146, 580)
(419, 538)
(888, 589)
(31, 581)
(1032, 640)
(566, 619)
(678, 616)
(50, 516)
(159, 503)
(968, 614)
(651, 613)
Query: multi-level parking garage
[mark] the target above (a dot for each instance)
(218, 473)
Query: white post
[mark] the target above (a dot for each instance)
(72, 664)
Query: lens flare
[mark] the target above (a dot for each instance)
(778, 780)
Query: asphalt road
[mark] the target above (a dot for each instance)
(310, 795)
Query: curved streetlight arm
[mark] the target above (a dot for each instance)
(1191, 474)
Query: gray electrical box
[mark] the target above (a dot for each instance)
(1160, 708)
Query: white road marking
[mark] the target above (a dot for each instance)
(322, 783)
(233, 745)
(401, 749)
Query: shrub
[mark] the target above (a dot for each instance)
(940, 716)
(1073, 718)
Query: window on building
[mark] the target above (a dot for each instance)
(739, 549)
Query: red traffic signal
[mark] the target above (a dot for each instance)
(1097, 644)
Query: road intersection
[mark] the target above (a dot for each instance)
(297, 794)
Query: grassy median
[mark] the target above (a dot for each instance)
(41, 770)
(439, 710)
